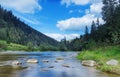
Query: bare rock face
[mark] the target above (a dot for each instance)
(90, 63)
(32, 61)
(112, 62)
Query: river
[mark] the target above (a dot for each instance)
(53, 68)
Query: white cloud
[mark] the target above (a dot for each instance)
(96, 8)
(58, 36)
(23, 6)
(76, 2)
(77, 23)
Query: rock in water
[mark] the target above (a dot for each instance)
(51, 67)
(90, 63)
(16, 63)
(45, 61)
(66, 65)
(112, 62)
(32, 61)
(60, 58)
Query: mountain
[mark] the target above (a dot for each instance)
(15, 31)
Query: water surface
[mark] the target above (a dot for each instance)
(54, 68)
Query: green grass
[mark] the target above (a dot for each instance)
(12, 46)
(101, 55)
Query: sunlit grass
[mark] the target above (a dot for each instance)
(101, 56)
(11, 46)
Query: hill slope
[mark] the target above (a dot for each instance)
(15, 31)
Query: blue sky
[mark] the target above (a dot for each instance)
(56, 18)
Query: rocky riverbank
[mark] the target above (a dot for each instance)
(106, 59)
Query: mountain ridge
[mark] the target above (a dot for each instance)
(12, 29)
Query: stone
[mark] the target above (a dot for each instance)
(45, 61)
(60, 58)
(112, 62)
(32, 61)
(45, 70)
(51, 67)
(16, 63)
(90, 63)
(66, 65)
(56, 61)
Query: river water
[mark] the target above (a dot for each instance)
(53, 68)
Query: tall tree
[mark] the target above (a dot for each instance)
(97, 22)
(93, 27)
(86, 33)
(108, 10)
(93, 30)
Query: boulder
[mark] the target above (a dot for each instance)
(16, 63)
(45, 70)
(112, 62)
(32, 61)
(45, 61)
(66, 65)
(60, 58)
(56, 61)
(51, 67)
(90, 63)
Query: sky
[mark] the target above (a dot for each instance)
(56, 18)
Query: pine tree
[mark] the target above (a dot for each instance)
(86, 33)
(97, 22)
(108, 10)
(93, 28)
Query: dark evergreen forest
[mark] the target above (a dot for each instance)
(100, 35)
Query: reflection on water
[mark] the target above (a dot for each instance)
(53, 68)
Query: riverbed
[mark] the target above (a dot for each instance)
(66, 66)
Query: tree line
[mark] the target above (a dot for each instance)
(13, 30)
(100, 35)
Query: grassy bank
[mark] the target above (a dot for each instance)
(11, 46)
(101, 56)
(4, 46)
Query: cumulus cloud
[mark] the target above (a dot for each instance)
(76, 2)
(23, 6)
(79, 23)
(59, 37)
(96, 7)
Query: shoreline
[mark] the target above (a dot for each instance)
(101, 56)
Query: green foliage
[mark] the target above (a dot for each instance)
(102, 35)
(3, 45)
(47, 47)
(30, 46)
(15, 47)
(11, 46)
(101, 56)
(15, 31)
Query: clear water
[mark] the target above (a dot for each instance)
(43, 69)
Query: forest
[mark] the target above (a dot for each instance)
(100, 35)
(12, 30)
